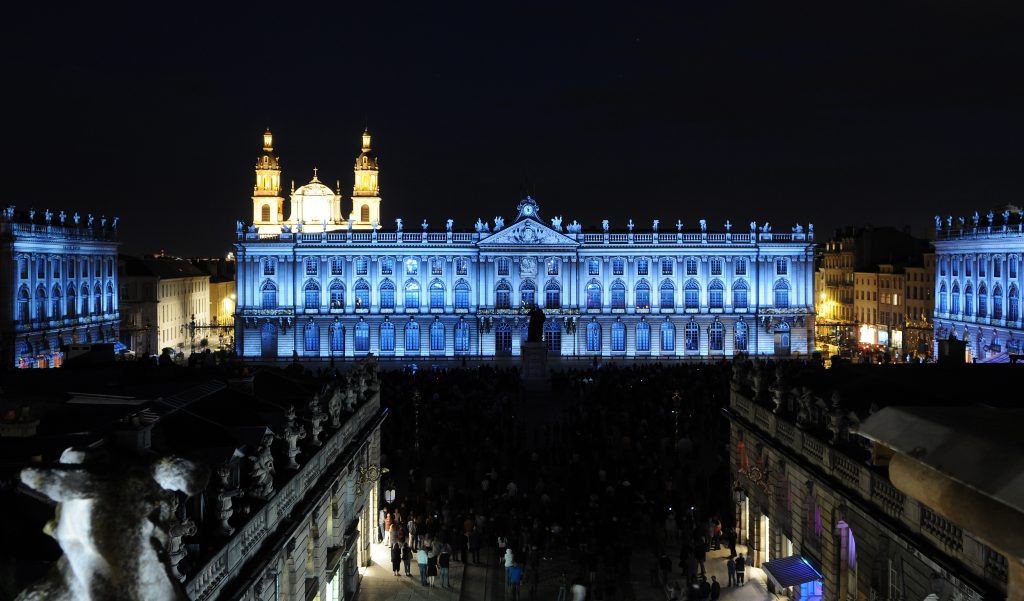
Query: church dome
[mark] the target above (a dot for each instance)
(314, 188)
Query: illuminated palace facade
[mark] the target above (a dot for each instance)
(978, 283)
(320, 283)
(59, 276)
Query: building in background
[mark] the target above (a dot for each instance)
(313, 285)
(977, 287)
(810, 491)
(865, 278)
(162, 298)
(220, 330)
(59, 277)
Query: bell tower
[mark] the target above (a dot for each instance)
(366, 189)
(267, 202)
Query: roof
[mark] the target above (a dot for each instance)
(165, 269)
(790, 571)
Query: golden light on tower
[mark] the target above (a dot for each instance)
(268, 141)
(366, 140)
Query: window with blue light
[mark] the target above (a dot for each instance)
(268, 293)
(691, 266)
(437, 336)
(618, 337)
(412, 295)
(503, 296)
(716, 266)
(412, 267)
(527, 294)
(997, 301)
(436, 295)
(387, 295)
(461, 266)
(982, 268)
(618, 295)
(740, 267)
(552, 265)
(361, 337)
(782, 294)
(739, 294)
(668, 337)
(552, 336)
(1013, 266)
(666, 266)
(716, 335)
(942, 299)
(967, 267)
(502, 265)
(312, 338)
(387, 337)
(312, 295)
(691, 295)
(1012, 304)
(337, 338)
(781, 268)
(643, 295)
(593, 337)
(461, 338)
(362, 295)
(642, 267)
(593, 267)
(337, 292)
(412, 337)
(503, 338)
(618, 266)
(311, 265)
(387, 266)
(667, 295)
(643, 337)
(982, 299)
(593, 295)
(337, 265)
(741, 336)
(692, 335)
(462, 295)
(362, 265)
(436, 266)
(269, 267)
(716, 295)
(552, 296)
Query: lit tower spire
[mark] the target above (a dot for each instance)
(366, 188)
(267, 202)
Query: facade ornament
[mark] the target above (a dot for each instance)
(32, 215)
(753, 227)
(261, 472)
(177, 528)
(225, 493)
(604, 225)
(425, 225)
(76, 217)
(103, 221)
(48, 215)
(574, 227)
(766, 228)
(991, 217)
(316, 419)
(630, 225)
(654, 225)
(499, 222)
(804, 401)
(798, 229)
(398, 225)
(114, 546)
(91, 220)
(728, 226)
(679, 225)
(350, 393)
(298, 227)
(976, 218)
(448, 225)
(323, 225)
(292, 434)
(810, 228)
(949, 221)
(62, 216)
(239, 228)
(703, 225)
(962, 223)
(556, 223)
(334, 407)
(9, 212)
(938, 223)
(1006, 217)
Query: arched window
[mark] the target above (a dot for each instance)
(716, 336)
(363, 295)
(668, 337)
(1012, 265)
(268, 339)
(997, 302)
(716, 295)
(72, 301)
(312, 337)
(643, 295)
(337, 291)
(462, 294)
(265, 213)
(364, 213)
(618, 337)
(337, 338)
(692, 335)
(312, 295)
(268, 295)
(552, 295)
(412, 337)
(23, 305)
(412, 294)
(982, 300)
(1013, 304)
(110, 298)
(55, 302)
(503, 296)
(436, 295)
(503, 338)
(461, 337)
(387, 337)
(741, 336)
(691, 295)
(437, 336)
(782, 294)
(942, 298)
(739, 294)
(41, 303)
(553, 336)
(643, 337)
(667, 296)
(968, 300)
(362, 337)
(527, 294)
(97, 299)
(618, 295)
(593, 295)
(593, 337)
(85, 298)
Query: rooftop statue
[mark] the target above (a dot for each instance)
(76, 217)
(679, 225)
(630, 225)
(991, 217)
(499, 222)
(574, 227)
(753, 226)
(91, 220)
(938, 223)
(728, 225)
(654, 225)
(1006, 217)
(225, 493)
(604, 224)
(535, 331)
(949, 221)
(32, 215)
(48, 215)
(334, 405)
(398, 224)
(239, 227)
(703, 225)
(810, 228)
(261, 473)
(62, 216)
(798, 229)
(316, 418)
(425, 225)
(976, 218)
(448, 225)
(103, 220)
(292, 434)
(556, 223)
(115, 547)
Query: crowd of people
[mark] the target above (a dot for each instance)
(569, 482)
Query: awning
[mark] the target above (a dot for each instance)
(790, 571)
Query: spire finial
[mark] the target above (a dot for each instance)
(314, 175)
(366, 140)
(268, 141)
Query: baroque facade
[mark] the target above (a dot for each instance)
(977, 282)
(59, 275)
(313, 285)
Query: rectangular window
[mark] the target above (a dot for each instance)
(780, 267)
(461, 266)
(691, 266)
(337, 265)
(311, 266)
(56, 268)
(981, 268)
(436, 266)
(618, 266)
(642, 267)
(716, 267)
(967, 267)
(666, 266)
(71, 269)
(997, 268)
(41, 269)
(503, 266)
(412, 267)
(362, 266)
(552, 266)
(594, 267)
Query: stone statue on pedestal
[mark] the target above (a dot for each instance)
(535, 331)
(334, 407)
(316, 418)
(225, 492)
(177, 528)
(292, 434)
(261, 474)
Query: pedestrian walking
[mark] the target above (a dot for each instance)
(716, 589)
(431, 569)
(444, 562)
(509, 562)
(741, 565)
(407, 558)
(731, 567)
(515, 577)
(396, 558)
(421, 560)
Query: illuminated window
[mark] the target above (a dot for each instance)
(1013, 266)
(503, 338)
(412, 294)
(782, 294)
(552, 295)
(503, 265)
(412, 267)
(364, 213)
(997, 300)
(593, 337)
(503, 296)
(643, 337)
(337, 292)
(618, 266)
(265, 213)
(982, 299)
(691, 295)
(968, 300)
(594, 267)
(412, 337)
(642, 266)
(436, 266)
(1013, 304)
(527, 294)
(618, 295)
(981, 268)
(692, 335)
(462, 295)
(781, 268)
(552, 336)
(643, 295)
(437, 336)
(362, 292)
(997, 267)
(387, 266)
(23, 269)
(387, 295)
(387, 337)
(593, 295)
(618, 337)
(716, 267)
(667, 295)
(337, 338)
(691, 266)
(362, 265)
(436, 295)
(312, 338)
(461, 266)
(668, 337)
(741, 336)
(666, 266)
(716, 334)
(269, 267)
(312, 295)
(269, 296)
(362, 337)
(716, 294)
(552, 266)
(739, 294)
(461, 337)
(740, 267)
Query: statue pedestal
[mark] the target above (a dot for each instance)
(533, 369)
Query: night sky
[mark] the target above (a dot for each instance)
(838, 114)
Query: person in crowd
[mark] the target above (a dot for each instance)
(444, 563)
(741, 565)
(730, 566)
(421, 561)
(716, 589)
(515, 576)
(396, 557)
(407, 558)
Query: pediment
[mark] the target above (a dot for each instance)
(528, 232)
